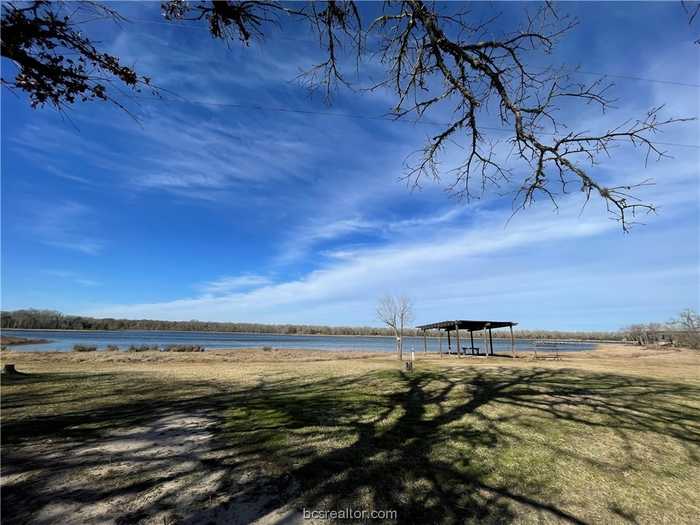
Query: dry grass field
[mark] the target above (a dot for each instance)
(610, 436)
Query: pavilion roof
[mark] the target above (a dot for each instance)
(464, 324)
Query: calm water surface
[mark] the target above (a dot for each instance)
(64, 341)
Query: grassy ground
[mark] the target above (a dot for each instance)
(611, 436)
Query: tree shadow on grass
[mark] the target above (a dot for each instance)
(425, 444)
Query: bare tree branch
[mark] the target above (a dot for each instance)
(691, 9)
(56, 63)
(430, 67)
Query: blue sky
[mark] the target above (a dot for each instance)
(229, 213)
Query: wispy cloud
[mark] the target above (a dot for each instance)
(401, 265)
(87, 282)
(229, 284)
(302, 239)
(73, 277)
(166, 154)
(314, 233)
(63, 225)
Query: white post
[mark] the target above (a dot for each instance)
(486, 341)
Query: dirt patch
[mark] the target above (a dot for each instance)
(164, 472)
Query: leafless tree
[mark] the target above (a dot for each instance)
(689, 322)
(397, 314)
(636, 332)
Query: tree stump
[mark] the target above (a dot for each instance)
(10, 370)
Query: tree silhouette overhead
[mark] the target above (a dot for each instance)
(56, 63)
(437, 57)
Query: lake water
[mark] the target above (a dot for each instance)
(64, 341)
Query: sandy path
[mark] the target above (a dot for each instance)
(175, 457)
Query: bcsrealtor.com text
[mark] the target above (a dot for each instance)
(349, 514)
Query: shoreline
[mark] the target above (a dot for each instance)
(507, 338)
(280, 355)
(124, 349)
(672, 363)
(17, 341)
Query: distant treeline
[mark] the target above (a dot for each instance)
(52, 320)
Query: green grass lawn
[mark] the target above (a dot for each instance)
(448, 444)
